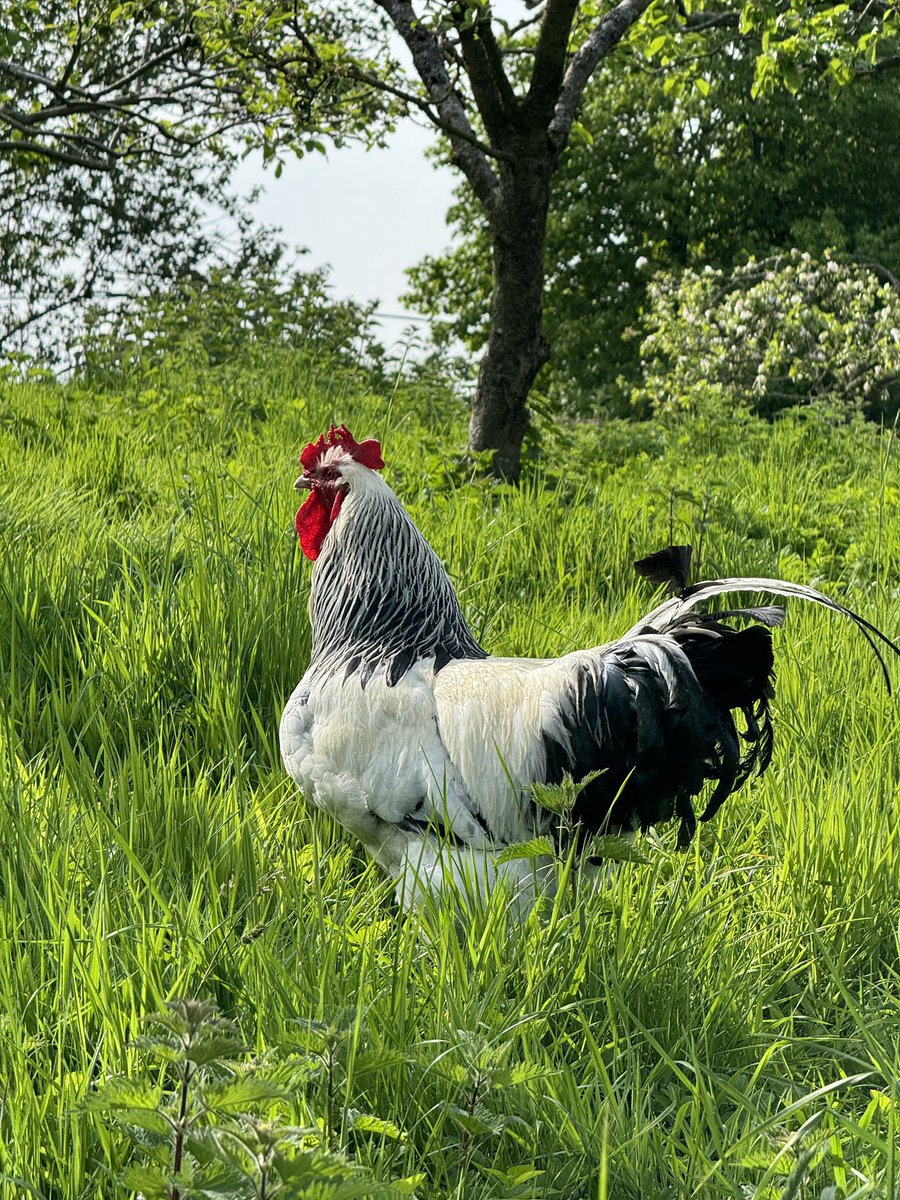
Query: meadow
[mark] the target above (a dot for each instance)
(719, 1023)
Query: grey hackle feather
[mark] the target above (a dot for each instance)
(771, 615)
(370, 609)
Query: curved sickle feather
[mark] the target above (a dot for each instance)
(671, 611)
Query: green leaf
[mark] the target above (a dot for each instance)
(220, 1182)
(793, 77)
(151, 1182)
(318, 1036)
(612, 848)
(311, 1167)
(538, 847)
(515, 1176)
(151, 1120)
(472, 1122)
(560, 798)
(581, 131)
(124, 1093)
(212, 1048)
(523, 1173)
(367, 1123)
(162, 1048)
(408, 1185)
(242, 1094)
(520, 1073)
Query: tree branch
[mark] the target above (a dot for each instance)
(70, 157)
(491, 90)
(871, 8)
(599, 43)
(75, 51)
(83, 293)
(550, 59)
(699, 22)
(428, 60)
(881, 271)
(144, 68)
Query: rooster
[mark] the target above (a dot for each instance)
(427, 749)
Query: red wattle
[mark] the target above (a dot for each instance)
(313, 523)
(316, 516)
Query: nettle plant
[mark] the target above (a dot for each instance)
(206, 1119)
(773, 334)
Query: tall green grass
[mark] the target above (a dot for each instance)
(720, 1023)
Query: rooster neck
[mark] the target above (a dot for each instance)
(380, 597)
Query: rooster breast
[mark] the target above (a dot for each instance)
(372, 756)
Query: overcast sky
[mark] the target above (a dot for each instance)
(365, 215)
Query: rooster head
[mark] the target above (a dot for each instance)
(329, 465)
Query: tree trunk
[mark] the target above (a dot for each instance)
(517, 347)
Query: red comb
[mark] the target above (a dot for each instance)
(368, 453)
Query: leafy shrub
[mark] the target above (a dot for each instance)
(217, 316)
(773, 334)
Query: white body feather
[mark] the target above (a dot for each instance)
(439, 747)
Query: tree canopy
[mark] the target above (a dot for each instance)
(773, 334)
(658, 180)
(120, 126)
(110, 113)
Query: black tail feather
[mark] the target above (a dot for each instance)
(659, 724)
(669, 568)
(736, 670)
(734, 666)
(681, 702)
(671, 611)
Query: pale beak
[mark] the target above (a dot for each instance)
(303, 482)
